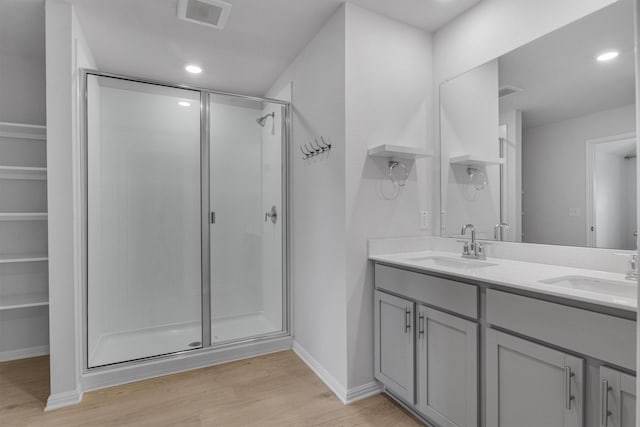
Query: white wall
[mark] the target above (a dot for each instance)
(388, 101)
(554, 174)
(318, 236)
(381, 95)
(67, 51)
(490, 29)
(22, 89)
(512, 177)
(609, 203)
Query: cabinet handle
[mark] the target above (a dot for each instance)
(420, 325)
(604, 403)
(568, 397)
(407, 320)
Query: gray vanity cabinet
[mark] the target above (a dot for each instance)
(530, 385)
(394, 345)
(617, 398)
(447, 368)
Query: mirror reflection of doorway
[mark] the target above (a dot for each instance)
(611, 192)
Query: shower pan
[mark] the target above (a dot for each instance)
(185, 220)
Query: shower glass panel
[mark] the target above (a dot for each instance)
(144, 282)
(246, 140)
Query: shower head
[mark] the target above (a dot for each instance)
(261, 121)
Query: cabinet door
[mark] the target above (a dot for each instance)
(447, 368)
(394, 345)
(530, 385)
(617, 398)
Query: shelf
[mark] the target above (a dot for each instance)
(23, 216)
(11, 259)
(23, 131)
(472, 160)
(23, 173)
(23, 301)
(398, 151)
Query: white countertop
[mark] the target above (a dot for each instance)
(521, 275)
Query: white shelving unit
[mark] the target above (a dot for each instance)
(475, 161)
(24, 295)
(398, 152)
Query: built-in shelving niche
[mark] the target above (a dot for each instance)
(24, 299)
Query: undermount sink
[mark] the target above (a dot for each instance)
(593, 284)
(452, 262)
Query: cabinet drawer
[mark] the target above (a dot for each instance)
(604, 337)
(446, 294)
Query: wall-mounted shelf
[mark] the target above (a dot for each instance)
(398, 152)
(23, 216)
(23, 301)
(11, 259)
(23, 131)
(477, 161)
(23, 173)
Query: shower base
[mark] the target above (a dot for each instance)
(138, 344)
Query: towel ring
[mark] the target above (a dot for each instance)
(394, 164)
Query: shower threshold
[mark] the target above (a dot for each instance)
(142, 343)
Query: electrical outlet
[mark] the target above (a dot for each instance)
(424, 220)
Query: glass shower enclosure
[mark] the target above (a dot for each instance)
(185, 219)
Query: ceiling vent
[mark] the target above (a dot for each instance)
(212, 13)
(507, 90)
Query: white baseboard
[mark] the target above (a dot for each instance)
(24, 353)
(363, 391)
(345, 395)
(61, 400)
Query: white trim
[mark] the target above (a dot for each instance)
(590, 149)
(24, 353)
(61, 400)
(23, 131)
(346, 396)
(114, 375)
(363, 391)
(317, 368)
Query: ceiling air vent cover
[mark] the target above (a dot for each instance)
(213, 13)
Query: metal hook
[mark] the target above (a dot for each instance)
(320, 149)
(323, 141)
(306, 155)
(311, 151)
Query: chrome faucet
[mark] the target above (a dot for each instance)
(497, 230)
(472, 249)
(632, 273)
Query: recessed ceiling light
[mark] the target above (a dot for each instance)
(193, 69)
(607, 56)
(184, 104)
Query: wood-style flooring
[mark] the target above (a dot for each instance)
(273, 390)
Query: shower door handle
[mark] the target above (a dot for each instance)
(273, 214)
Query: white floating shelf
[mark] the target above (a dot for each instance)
(23, 301)
(23, 173)
(23, 131)
(23, 216)
(10, 259)
(398, 151)
(471, 160)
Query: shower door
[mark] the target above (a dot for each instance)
(144, 284)
(246, 231)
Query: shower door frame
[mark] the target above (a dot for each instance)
(205, 232)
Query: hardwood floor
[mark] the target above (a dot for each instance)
(272, 390)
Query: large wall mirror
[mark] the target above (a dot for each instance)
(539, 145)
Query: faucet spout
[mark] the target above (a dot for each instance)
(473, 232)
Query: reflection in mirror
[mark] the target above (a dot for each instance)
(539, 145)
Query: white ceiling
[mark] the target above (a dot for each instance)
(559, 75)
(144, 38)
(22, 28)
